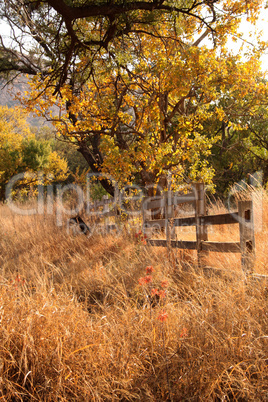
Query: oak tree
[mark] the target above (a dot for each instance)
(134, 81)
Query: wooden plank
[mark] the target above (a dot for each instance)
(154, 203)
(157, 243)
(157, 224)
(201, 229)
(221, 219)
(159, 202)
(169, 215)
(184, 244)
(189, 221)
(222, 247)
(247, 237)
(182, 199)
(108, 213)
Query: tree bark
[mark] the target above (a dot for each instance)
(93, 164)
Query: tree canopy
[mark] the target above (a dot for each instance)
(65, 31)
(142, 121)
(136, 82)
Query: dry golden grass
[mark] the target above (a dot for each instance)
(76, 325)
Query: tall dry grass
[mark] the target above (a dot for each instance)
(80, 319)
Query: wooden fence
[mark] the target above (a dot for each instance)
(107, 208)
(242, 217)
(104, 210)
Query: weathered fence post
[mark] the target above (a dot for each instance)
(168, 211)
(117, 208)
(169, 215)
(247, 238)
(105, 199)
(146, 215)
(201, 228)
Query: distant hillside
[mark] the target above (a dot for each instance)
(7, 94)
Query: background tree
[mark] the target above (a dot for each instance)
(241, 128)
(64, 149)
(255, 140)
(21, 152)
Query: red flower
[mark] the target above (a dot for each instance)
(148, 278)
(139, 235)
(145, 280)
(183, 333)
(149, 269)
(164, 284)
(18, 281)
(142, 281)
(162, 316)
(162, 294)
(154, 292)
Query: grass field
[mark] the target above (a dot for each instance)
(108, 318)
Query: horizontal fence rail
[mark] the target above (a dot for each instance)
(223, 247)
(208, 220)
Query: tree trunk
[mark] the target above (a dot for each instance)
(156, 190)
(94, 165)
